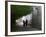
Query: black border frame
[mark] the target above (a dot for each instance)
(6, 18)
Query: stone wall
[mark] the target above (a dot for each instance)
(36, 17)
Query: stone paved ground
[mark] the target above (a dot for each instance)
(25, 29)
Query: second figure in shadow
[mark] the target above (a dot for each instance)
(25, 23)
